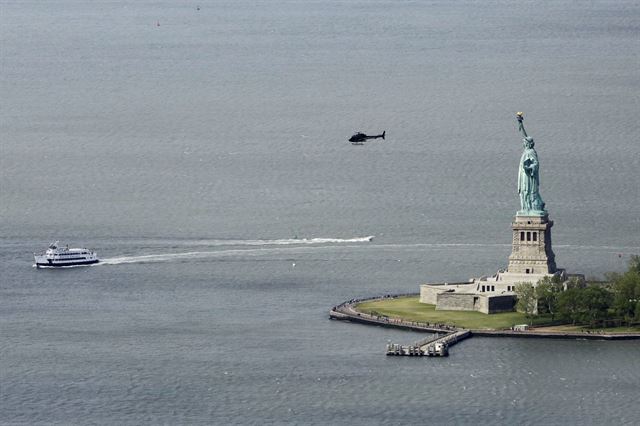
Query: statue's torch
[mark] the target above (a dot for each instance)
(520, 117)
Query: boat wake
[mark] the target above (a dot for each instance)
(277, 242)
(259, 248)
(166, 257)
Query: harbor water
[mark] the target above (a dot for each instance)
(201, 149)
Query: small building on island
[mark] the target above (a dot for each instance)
(531, 259)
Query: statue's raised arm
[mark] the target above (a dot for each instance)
(523, 132)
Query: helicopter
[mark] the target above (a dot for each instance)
(359, 138)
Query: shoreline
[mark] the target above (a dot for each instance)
(346, 311)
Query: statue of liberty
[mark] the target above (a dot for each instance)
(531, 203)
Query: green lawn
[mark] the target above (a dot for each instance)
(410, 309)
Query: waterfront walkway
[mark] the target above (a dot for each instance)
(346, 311)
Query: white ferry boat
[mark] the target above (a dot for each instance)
(64, 256)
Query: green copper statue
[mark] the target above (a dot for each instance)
(531, 203)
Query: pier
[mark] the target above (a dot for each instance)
(431, 346)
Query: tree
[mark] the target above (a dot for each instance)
(590, 304)
(595, 302)
(626, 289)
(569, 305)
(547, 292)
(527, 300)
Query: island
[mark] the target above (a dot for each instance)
(531, 297)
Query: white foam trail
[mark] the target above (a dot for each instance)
(296, 245)
(278, 242)
(271, 248)
(151, 258)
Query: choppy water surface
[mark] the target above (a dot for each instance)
(205, 159)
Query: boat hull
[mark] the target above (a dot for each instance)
(48, 262)
(63, 264)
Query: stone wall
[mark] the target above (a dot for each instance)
(465, 297)
(458, 302)
(504, 303)
(487, 304)
(429, 292)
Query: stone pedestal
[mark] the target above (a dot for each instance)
(531, 251)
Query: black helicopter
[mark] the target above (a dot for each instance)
(359, 138)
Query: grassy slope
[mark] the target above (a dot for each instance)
(410, 309)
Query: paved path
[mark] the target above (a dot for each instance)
(347, 311)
